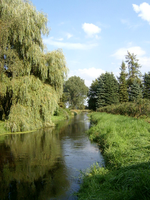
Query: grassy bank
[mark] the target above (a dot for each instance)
(125, 144)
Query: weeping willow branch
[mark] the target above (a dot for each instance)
(31, 80)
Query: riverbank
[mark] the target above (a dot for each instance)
(125, 144)
(59, 115)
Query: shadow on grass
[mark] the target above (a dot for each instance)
(125, 183)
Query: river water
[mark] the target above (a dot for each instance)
(46, 164)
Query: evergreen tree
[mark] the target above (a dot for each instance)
(111, 87)
(107, 91)
(133, 69)
(123, 94)
(135, 92)
(100, 93)
(92, 95)
(134, 73)
(146, 83)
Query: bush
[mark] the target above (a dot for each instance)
(138, 109)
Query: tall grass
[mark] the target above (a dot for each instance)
(125, 144)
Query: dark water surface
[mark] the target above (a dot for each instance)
(46, 164)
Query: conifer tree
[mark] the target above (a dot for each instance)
(133, 69)
(100, 93)
(135, 92)
(92, 95)
(107, 90)
(111, 87)
(146, 83)
(123, 94)
(134, 73)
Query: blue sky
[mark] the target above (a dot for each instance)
(96, 34)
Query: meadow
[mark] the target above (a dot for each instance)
(125, 144)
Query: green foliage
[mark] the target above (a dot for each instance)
(107, 92)
(100, 101)
(21, 40)
(126, 148)
(103, 91)
(92, 94)
(61, 114)
(135, 92)
(31, 80)
(146, 82)
(133, 68)
(141, 108)
(32, 104)
(123, 94)
(76, 92)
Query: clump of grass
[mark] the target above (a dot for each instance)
(125, 183)
(125, 144)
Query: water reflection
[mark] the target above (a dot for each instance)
(45, 164)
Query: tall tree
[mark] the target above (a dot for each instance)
(92, 95)
(77, 91)
(107, 90)
(31, 80)
(123, 93)
(135, 92)
(100, 102)
(111, 87)
(134, 73)
(133, 68)
(146, 83)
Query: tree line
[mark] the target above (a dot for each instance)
(33, 81)
(130, 86)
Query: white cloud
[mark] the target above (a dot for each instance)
(122, 52)
(90, 29)
(144, 61)
(143, 10)
(69, 35)
(87, 74)
(68, 45)
(60, 39)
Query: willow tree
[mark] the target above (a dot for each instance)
(31, 80)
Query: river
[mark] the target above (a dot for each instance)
(46, 164)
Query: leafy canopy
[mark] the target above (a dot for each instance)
(76, 91)
(31, 80)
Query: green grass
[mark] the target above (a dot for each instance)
(125, 144)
